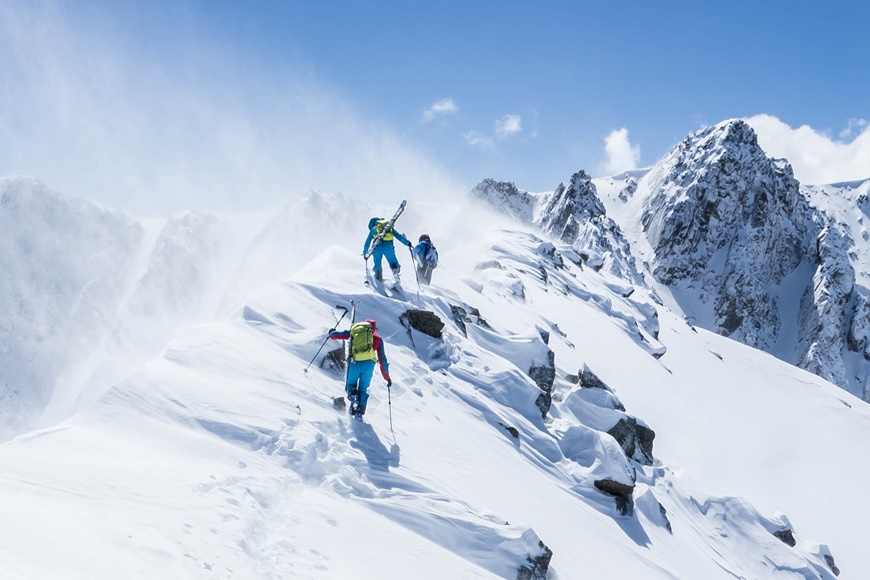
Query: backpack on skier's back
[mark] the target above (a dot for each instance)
(362, 342)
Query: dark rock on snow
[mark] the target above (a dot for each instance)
(544, 376)
(786, 536)
(423, 321)
(537, 565)
(333, 360)
(635, 439)
(622, 493)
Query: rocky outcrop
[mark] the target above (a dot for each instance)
(635, 438)
(620, 491)
(537, 566)
(829, 560)
(786, 536)
(730, 224)
(505, 198)
(573, 214)
(826, 308)
(544, 375)
(423, 321)
(334, 361)
(463, 316)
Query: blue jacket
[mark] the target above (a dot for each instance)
(373, 233)
(420, 251)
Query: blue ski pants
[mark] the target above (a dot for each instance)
(359, 375)
(384, 250)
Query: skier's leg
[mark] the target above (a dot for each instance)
(355, 372)
(367, 368)
(390, 255)
(377, 259)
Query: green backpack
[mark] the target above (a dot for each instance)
(379, 227)
(362, 342)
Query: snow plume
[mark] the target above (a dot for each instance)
(815, 156)
(92, 108)
(439, 109)
(508, 125)
(621, 154)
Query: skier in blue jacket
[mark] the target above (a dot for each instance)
(426, 257)
(385, 248)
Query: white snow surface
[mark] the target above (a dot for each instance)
(180, 435)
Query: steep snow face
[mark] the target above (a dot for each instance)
(572, 214)
(728, 225)
(835, 310)
(65, 264)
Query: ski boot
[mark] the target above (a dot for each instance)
(360, 411)
(353, 399)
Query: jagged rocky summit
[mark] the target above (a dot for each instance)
(572, 214)
(747, 251)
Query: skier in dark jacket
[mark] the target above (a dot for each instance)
(426, 259)
(363, 355)
(384, 248)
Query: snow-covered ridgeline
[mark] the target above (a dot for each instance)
(573, 214)
(223, 457)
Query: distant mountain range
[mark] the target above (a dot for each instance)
(745, 249)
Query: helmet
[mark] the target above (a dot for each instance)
(424, 237)
(373, 221)
(373, 323)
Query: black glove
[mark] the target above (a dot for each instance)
(389, 383)
(331, 330)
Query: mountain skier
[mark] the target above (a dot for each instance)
(366, 347)
(385, 247)
(426, 259)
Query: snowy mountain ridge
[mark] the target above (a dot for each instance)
(563, 421)
(746, 250)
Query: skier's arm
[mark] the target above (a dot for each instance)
(401, 238)
(340, 335)
(369, 239)
(382, 359)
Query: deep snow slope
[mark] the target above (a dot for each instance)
(88, 294)
(223, 458)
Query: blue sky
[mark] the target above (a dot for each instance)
(158, 106)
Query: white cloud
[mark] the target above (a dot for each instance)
(814, 155)
(508, 125)
(479, 140)
(621, 154)
(440, 108)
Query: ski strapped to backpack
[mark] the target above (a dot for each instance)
(386, 230)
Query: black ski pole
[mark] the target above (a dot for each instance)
(390, 405)
(326, 339)
(416, 275)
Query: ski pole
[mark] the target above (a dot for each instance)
(416, 276)
(390, 405)
(324, 340)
